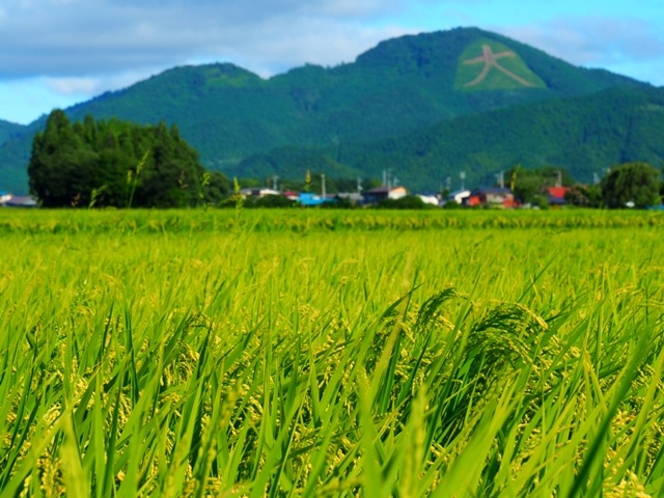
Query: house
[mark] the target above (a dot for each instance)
(291, 194)
(556, 195)
(378, 194)
(309, 199)
(431, 200)
(258, 192)
(5, 196)
(352, 197)
(24, 201)
(490, 197)
(458, 196)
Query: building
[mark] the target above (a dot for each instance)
(379, 194)
(25, 201)
(490, 197)
(309, 199)
(556, 195)
(258, 192)
(458, 196)
(431, 200)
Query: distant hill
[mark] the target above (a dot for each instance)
(401, 86)
(14, 156)
(8, 130)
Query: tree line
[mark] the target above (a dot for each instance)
(633, 184)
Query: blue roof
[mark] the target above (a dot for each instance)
(309, 199)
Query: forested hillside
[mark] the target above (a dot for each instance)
(8, 130)
(584, 135)
(395, 89)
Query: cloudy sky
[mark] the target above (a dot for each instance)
(58, 52)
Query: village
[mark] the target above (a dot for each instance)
(481, 197)
(489, 197)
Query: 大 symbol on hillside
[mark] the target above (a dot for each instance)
(490, 60)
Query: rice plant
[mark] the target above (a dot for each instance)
(204, 354)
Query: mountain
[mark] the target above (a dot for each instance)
(401, 86)
(9, 130)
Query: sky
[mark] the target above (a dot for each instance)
(55, 53)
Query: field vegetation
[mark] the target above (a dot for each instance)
(303, 353)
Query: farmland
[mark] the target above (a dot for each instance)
(300, 353)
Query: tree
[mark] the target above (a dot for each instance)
(529, 185)
(60, 163)
(634, 184)
(584, 196)
(116, 163)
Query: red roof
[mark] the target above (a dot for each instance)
(557, 192)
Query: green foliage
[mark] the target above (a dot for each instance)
(406, 202)
(452, 204)
(584, 196)
(636, 183)
(9, 130)
(115, 163)
(294, 162)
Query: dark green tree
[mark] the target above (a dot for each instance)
(634, 184)
(60, 164)
(116, 163)
(584, 196)
(214, 187)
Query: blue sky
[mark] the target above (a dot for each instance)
(59, 52)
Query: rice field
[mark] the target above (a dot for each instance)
(304, 353)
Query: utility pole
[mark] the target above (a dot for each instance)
(559, 181)
(274, 182)
(322, 186)
(359, 185)
(462, 175)
(501, 179)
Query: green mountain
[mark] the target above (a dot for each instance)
(399, 87)
(9, 130)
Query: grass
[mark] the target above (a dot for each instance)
(309, 220)
(339, 360)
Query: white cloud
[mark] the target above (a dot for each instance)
(87, 86)
(595, 42)
(72, 38)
